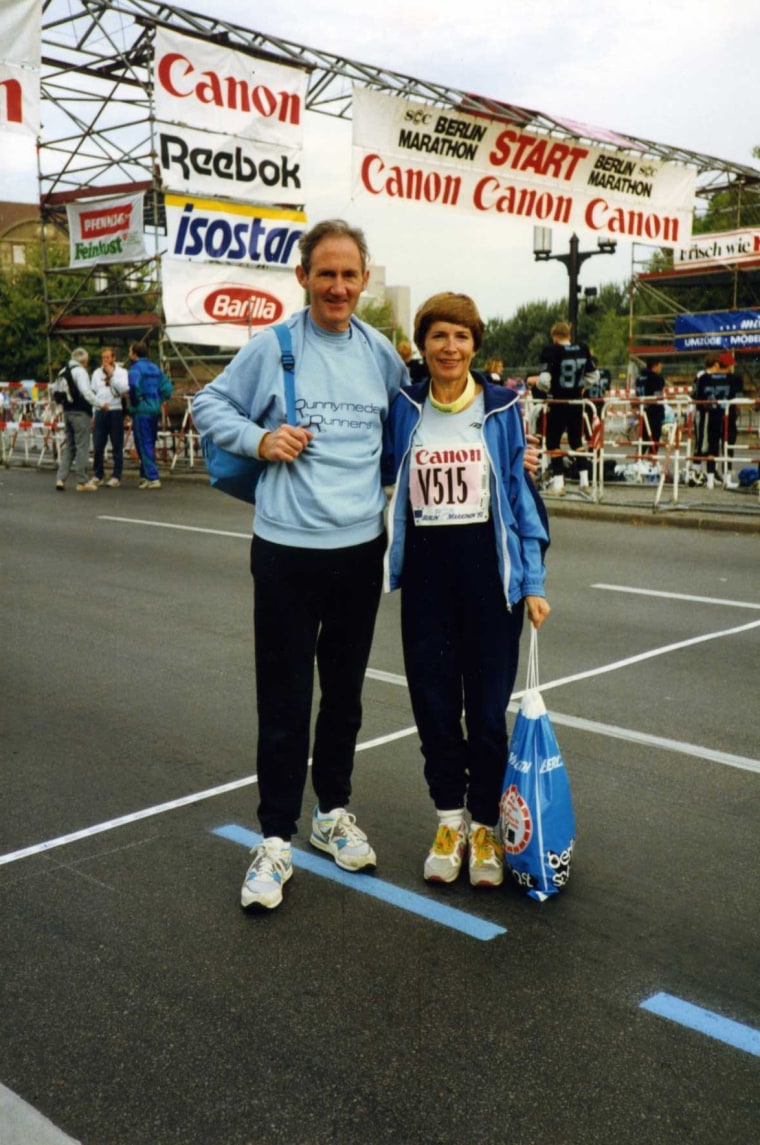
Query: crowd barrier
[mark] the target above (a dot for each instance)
(618, 446)
(616, 437)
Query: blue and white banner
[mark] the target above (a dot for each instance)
(239, 234)
(718, 330)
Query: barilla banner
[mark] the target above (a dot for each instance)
(718, 330)
(206, 85)
(414, 153)
(20, 51)
(202, 163)
(106, 230)
(207, 230)
(212, 305)
(723, 248)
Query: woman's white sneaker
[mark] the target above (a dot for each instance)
(445, 857)
(486, 857)
(271, 868)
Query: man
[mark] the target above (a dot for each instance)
(567, 368)
(110, 383)
(149, 387)
(318, 544)
(649, 384)
(715, 389)
(77, 400)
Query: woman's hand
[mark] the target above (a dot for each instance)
(531, 457)
(538, 609)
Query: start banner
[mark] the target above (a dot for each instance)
(413, 152)
(207, 85)
(208, 230)
(106, 230)
(212, 305)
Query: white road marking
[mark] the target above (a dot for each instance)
(677, 596)
(182, 528)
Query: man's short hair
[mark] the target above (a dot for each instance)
(329, 229)
(80, 355)
(458, 309)
(140, 349)
(712, 360)
(560, 330)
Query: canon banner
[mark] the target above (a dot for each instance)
(214, 305)
(413, 152)
(205, 85)
(206, 230)
(106, 230)
(720, 249)
(20, 37)
(721, 329)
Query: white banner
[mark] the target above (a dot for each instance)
(205, 163)
(412, 152)
(106, 230)
(222, 306)
(206, 85)
(721, 248)
(20, 49)
(204, 230)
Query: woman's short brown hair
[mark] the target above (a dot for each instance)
(458, 309)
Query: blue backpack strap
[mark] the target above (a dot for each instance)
(288, 370)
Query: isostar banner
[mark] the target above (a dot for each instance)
(203, 163)
(412, 152)
(214, 305)
(204, 230)
(724, 248)
(719, 330)
(106, 230)
(20, 51)
(206, 85)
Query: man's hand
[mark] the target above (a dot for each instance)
(284, 444)
(532, 457)
(538, 609)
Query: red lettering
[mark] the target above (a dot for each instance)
(13, 101)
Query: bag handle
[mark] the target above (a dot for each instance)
(288, 371)
(532, 680)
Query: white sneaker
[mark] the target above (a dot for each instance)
(710, 481)
(336, 832)
(729, 483)
(445, 857)
(114, 483)
(271, 868)
(486, 857)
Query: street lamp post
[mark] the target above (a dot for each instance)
(573, 260)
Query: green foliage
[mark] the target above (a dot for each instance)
(380, 315)
(23, 346)
(518, 341)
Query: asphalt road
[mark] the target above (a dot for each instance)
(141, 1006)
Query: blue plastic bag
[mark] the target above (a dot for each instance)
(536, 817)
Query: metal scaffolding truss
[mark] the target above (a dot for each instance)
(97, 103)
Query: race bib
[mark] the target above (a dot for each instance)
(448, 484)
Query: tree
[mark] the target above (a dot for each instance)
(380, 315)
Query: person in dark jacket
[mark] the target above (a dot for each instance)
(149, 388)
(77, 405)
(466, 538)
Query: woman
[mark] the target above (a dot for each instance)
(466, 541)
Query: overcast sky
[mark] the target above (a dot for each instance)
(683, 72)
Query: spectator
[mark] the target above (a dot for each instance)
(414, 364)
(77, 400)
(714, 390)
(110, 384)
(650, 384)
(149, 387)
(567, 368)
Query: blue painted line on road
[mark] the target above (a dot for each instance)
(734, 1034)
(365, 884)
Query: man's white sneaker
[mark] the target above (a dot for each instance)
(114, 483)
(486, 857)
(729, 483)
(336, 832)
(271, 868)
(444, 860)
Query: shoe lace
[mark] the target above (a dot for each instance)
(267, 858)
(446, 839)
(345, 827)
(484, 846)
